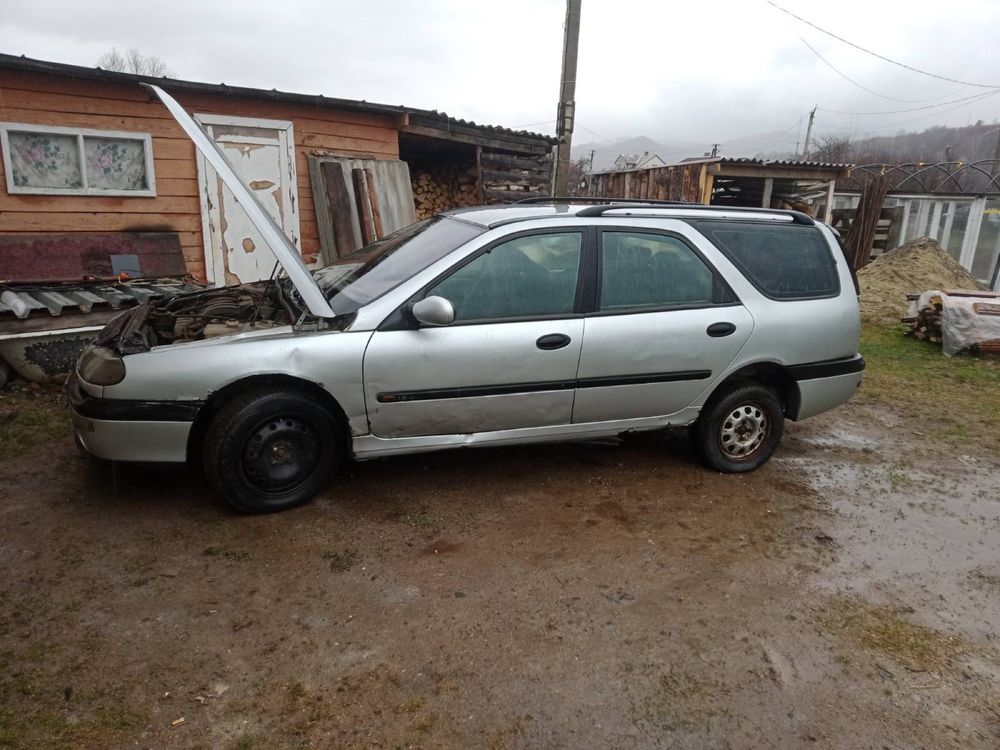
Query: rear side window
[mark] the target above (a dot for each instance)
(783, 262)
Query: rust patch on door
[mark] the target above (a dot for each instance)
(248, 245)
(261, 184)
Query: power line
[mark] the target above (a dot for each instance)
(899, 123)
(915, 109)
(847, 78)
(796, 124)
(881, 57)
(530, 124)
(584, 127)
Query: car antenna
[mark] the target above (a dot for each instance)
(263, 296)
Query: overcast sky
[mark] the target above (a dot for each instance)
(703, 71)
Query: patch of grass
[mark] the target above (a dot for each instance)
(7, 735)
(884, 629)
(41, 727)
(957, 397)
(234, 555)
(685, 701)
(987, 580)
(341, 561)
(30, 417)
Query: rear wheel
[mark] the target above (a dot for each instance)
(271, 450)
(740, 429)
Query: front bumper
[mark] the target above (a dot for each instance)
(127, 430)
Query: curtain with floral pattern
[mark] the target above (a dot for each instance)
(45, 160)
(53, 160)
(115, 163)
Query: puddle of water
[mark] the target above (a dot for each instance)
(923, 538)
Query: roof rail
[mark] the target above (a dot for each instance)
(595, 199)
(797, 216)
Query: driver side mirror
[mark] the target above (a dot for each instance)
(434, 311)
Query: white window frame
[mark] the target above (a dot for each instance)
(80, 134)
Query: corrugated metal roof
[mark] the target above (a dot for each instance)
(446, 118)
(21, 62)
(784, 163)
(22, 302)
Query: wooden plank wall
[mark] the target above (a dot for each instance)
(673, 183)
(68, 102)
(509, 177)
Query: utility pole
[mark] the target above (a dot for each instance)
(809, 132)
(715, 149)
(566, 112)
(590, 174)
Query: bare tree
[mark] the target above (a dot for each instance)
(833, 148)
(579, 171)
(133, 61)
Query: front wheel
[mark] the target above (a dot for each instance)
(739, 430)
(271, 450)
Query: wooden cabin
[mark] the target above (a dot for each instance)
(90, 152)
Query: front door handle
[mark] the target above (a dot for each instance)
(720, 329)
(552, 341)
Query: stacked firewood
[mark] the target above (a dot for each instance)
(926, 324)
(441, 187)
(988, 308)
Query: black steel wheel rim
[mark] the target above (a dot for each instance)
(280, 454)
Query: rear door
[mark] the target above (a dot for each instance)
(508, 361)
(665, 325)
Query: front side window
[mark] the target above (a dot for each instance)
(524, 277)
(651, 270)
(72, 161)
(365, 275)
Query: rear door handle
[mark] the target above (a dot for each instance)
(553, 341)
(720, 329)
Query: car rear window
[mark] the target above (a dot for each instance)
(783, 262)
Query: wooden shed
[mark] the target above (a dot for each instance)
(88, 152)
(803, 185)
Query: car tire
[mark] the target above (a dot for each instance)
(739, 429)
(267, 451)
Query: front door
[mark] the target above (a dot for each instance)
(665, 325)
(508, 361)
(262, 152)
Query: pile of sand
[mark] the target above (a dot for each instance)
(918, 266)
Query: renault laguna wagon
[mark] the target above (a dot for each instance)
(497, 325)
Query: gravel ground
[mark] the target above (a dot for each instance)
(610, 595)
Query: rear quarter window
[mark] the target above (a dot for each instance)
(783, 262)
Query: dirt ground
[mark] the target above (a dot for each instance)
(608, 595)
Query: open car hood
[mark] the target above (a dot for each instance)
(287, 254)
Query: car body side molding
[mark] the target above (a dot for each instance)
(548, 385)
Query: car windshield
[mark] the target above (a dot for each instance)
(364, 275)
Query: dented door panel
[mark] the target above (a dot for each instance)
(470, 378)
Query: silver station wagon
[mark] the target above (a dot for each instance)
(485, 326)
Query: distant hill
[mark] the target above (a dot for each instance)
(605, 152)
(939, 143)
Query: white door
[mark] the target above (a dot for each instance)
(262, 152)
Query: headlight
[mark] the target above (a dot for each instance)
(100, 366)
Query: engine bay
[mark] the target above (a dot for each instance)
(218, 312)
